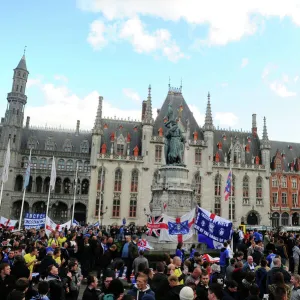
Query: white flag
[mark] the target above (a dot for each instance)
(5, 169)
(53, 175)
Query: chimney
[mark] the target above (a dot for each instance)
(77, 127)
(254, 126)
(27, 122)
(144, 106)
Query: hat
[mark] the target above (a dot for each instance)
(186, 293)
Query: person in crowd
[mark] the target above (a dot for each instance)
(132, 255)
(215, 292)
(91, 292)
(261, 278)
(202, 287)
(31, 259)
(177, 271)
(19, 268)
(140, 260)
(250, 265)
(180, 251)
(45, 263)
(158, 279)
(277, 269)
(194, 277)
(296, 257)
(224, 258)
(57, 287)
(282, 251)
(20, 291)
(7, 281)
(278, 283)
(295, 293)
(140, 288)
(174, 288)
(230, 290)
(186, 293)
(230, 269)
(43, 290)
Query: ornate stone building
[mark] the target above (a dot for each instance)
(119, 160)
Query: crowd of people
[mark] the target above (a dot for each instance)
(108, 264)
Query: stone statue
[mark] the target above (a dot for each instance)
(174, 140)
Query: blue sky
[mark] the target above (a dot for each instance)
(246, 54)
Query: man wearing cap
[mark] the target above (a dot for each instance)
(186, 293)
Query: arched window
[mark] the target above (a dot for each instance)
(61, 164)
(132, 206)
(100, 190)
(69, 165)
(217, 206)
(58, 185)
(86, 166)
(294, 183)
(84, 147)
(259, 195)
(43, 163)
(218, 185)
(24, 162)
(59, 211)
(275, 219)
(197, 183)
(39, 184)
(85, 187)
(67, 186)
(33, 162)
(50, 163)
(46, 184)
(134, 181)
(19, 183)
(246, 190)
(118, 181)
(68, 146)
(285, 219)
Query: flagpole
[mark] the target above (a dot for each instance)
(1, 192)
(100, 198)
(75, 189)
(48, 202)
(231, 179)
(27, 175)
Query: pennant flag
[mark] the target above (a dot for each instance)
(75, 223)
(53, 175)
(27, 173)
(4, 222)
(153, 226)
(177, 229)
(5, 169)
(213, 230)
(227, 190)
(144, 245)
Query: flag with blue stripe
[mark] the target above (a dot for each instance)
(76, 223)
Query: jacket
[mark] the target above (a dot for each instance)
(138, 294)
(91, 294)
(133, 251)
(286, 275)
(56, 287)
(6, 286)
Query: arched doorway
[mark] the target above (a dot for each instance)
(275, 219)
(295, 219)
(285, 219)
(59, 212)
(80, 212)
(252, 218)
(16, 209)
(19, 183)
(39, 207)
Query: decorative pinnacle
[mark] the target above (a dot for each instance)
(99, 114)
(149, 91)
(208, 125)
(24, 50)
(148, 112)
(265, 143)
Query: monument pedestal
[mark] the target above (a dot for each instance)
(173, 195)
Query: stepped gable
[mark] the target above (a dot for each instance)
(288, 151)
(58, 136)
(124, 127)
(242, 138)
(176, 99)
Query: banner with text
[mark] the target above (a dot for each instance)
(34, 220)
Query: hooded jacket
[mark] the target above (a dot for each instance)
(138, 294)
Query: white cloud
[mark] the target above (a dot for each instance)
(296, 78)
(134, 32)
(281, 90)
(226, 118)
(199, 117)
(61, 107)
(224, 84)
(131, 94)
(245, 62)
(62, 78)
(227, 21)
(285, 78)
(33, 82)
(267, 70)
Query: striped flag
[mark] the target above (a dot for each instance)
(53, 175)
(5, 169)
(227, 190)
(27, 173)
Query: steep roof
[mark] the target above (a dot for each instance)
(175, 97)
(59, 138)
(124, 127)
(22, 64)
(242, 137)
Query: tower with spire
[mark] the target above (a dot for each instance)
(147, 124)
(16, 101)
(208, 129)
(265, 147)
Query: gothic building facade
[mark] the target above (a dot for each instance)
(119, 160)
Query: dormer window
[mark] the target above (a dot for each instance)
(120, 149)
(84, 147)
(278, 165)
(31, 144)
(68, 146)
(219, 145)
(290, 147)
(49, 145)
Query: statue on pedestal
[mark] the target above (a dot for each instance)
(174, 142)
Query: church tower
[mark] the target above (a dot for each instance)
(14, 115)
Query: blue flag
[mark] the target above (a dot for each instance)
(213, 227)
(27, 173)
(178, 228)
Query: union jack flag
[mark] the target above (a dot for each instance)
(153, 226)
(227, 190)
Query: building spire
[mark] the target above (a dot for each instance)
(265, 143)
(208, 125)
(98, 119)
(22, 62)
(148, 112)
